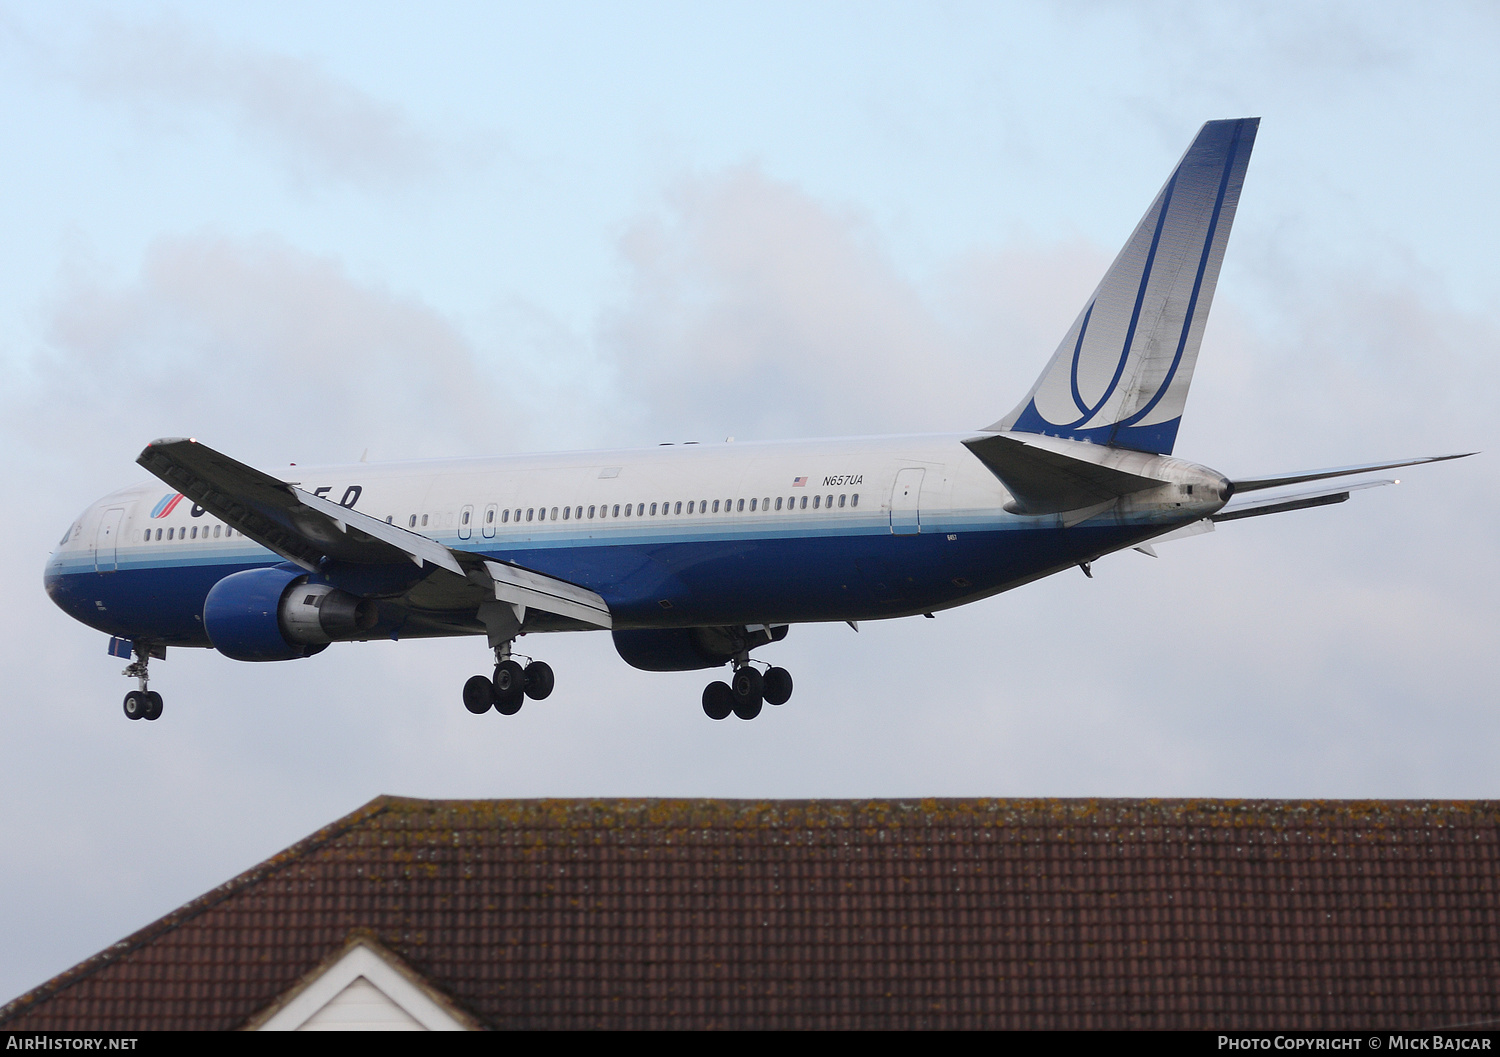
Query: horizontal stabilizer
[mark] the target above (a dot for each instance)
(1300, 501)
(1255, 484)
(1042, 479)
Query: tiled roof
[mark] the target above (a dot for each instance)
(848, 914)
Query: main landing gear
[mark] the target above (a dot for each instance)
(142, 703)
(746, 691)
(510, 686)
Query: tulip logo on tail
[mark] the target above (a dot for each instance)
(167, 505)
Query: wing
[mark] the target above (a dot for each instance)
(311, 532)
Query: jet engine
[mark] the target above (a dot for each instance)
(276, 614)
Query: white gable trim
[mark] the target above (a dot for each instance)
(405, 990)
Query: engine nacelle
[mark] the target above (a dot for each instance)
(688, 649)
(276, 615)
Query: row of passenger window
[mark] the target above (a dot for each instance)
(186, 533)
(694, 506)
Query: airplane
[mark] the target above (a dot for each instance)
(693, 555)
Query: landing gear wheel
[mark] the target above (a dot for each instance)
(479, 694)
(538, 680)
(746, 690)
(718, 700)
(153, 706)
(510, 687)
(135, 704)
(776, 686)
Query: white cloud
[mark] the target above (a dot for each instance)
(319, 124)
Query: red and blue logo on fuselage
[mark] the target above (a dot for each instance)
(167, 505)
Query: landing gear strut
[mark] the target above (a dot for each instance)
(747, 690)
(510, 686)
(141, 703)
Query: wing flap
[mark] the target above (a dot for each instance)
(412, 545)
(533, 590)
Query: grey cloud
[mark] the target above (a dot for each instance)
(274, 350)
(319, 124)
(757, 310)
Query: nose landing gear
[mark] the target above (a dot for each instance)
(143, 703)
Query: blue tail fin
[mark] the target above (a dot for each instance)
(1121, 375)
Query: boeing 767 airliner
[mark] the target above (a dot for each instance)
(695, 555)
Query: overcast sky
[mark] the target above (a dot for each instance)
(300, 232)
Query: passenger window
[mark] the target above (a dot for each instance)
(742, 504)
(678, 510)
(566, 511)
(690, 506)
(216, 531)
(828, 502)
(854, 499)
(765, 504)
(591, 513)
(804, 502)
(489, 517)
(554, 513)
(505, 516)
(716, 506)
(413, 522)
(169, 533)
(578, 513)
(841, 502)
(752, 503)
(653, 509)
(816, 498)
(466, 517)
(617, 510)
(778, 502)
(424, 520)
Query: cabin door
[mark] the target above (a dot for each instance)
(107, 540)
(906, 512)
